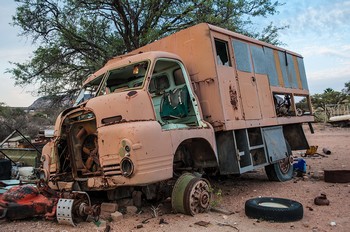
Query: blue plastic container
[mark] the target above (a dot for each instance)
(300, 165)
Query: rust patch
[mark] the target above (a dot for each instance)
(233, 97)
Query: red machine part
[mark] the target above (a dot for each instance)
(25, 201)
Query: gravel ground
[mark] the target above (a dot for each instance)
(235, 191)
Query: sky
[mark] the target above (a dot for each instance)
(318, 30)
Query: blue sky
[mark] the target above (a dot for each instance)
(318, 29)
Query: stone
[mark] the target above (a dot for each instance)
(109, 207)
(137, 198)
(116, 216)
(131, 209)
(105, 215)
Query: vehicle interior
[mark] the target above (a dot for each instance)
(170, 96)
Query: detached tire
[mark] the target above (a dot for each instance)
(274, 209)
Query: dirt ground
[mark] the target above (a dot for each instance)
(235, 191)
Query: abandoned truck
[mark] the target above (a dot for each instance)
(204, 99)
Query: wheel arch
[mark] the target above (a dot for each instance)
(199, 151)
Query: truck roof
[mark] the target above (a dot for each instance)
(246, 38)
(130, 58)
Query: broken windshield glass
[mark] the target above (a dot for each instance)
(127, 77)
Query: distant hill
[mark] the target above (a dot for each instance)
(49, 102)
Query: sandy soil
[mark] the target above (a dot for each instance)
(235, 191)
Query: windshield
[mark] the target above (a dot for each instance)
(118, 80)
(89, 90)
(127, 77)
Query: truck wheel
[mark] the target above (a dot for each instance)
(190, 195)
(274, 209)
(280, 171)
(283, 169)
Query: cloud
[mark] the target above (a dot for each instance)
(15, 96)
(322, 19)
(331, 73)
(340, 51)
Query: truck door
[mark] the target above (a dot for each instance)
(247, 80)
(174, 103)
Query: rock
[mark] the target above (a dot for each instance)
(202, 223)
(131, 209)
(321, 200)
(108, 228)
(105, 215)
(125, 202)
(162, 221)
(221, 210)
(137, 200)
(116, 216)
(109, 207)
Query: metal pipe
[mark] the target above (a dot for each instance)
(311, 128)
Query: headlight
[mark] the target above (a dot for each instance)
(127, 167)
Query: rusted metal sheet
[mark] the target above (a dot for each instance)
(337, 176)
(275, 143)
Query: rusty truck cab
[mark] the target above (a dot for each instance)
(130, 126)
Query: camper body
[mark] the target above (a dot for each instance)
(201, 100)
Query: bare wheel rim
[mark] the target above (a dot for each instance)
(285, 165)
(199, 196)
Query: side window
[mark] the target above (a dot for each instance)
(159, 84)
(302, 73)
(222, 55)
(271, 67)
(283, 63)
(242, 56)
(259, 59)
(179, 77)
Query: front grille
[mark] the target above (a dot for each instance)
(111, 170)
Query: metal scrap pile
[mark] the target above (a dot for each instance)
(27, 201)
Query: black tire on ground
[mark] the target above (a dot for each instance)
(274, 209)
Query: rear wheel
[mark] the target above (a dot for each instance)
(280, 171)
(283, 169)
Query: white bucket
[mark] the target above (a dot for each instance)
(25, 171)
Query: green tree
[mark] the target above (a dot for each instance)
(16, 118)
(77, 37)
(346, 89)
(328, 98)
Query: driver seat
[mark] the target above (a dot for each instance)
(174, 104)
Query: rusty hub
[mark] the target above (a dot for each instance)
(191, 195)
(285, 165)
(197, 196)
